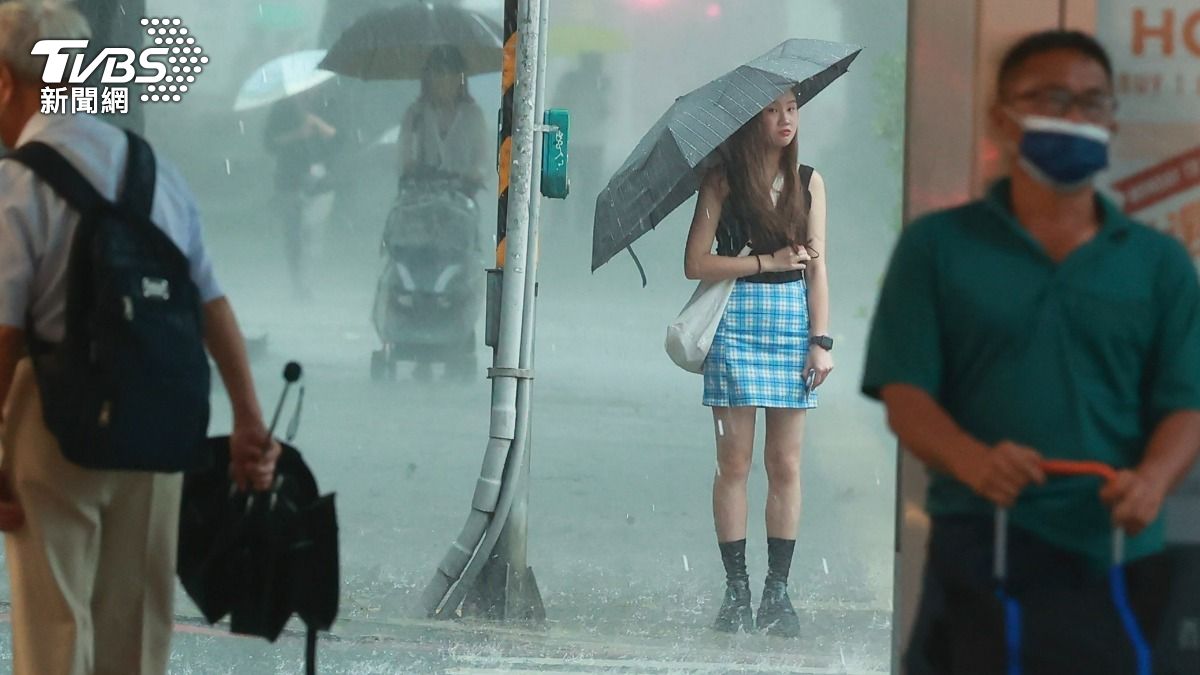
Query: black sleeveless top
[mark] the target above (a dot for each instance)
(732, 236)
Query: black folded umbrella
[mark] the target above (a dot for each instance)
(259, 557)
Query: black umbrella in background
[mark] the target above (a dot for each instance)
(259, 557)
(667, 165)
(395, 43)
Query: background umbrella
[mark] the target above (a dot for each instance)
(575, 39)
(668, 163)
(260, 556)
(394, 44)
(282, 77)
(279, 16)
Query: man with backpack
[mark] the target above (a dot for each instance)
(107, 303)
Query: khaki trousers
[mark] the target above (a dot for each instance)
(93, 568)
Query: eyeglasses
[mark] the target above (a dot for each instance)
(1058, 102)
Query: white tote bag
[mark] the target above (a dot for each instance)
(690, 335)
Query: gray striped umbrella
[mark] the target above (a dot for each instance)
(667, 165)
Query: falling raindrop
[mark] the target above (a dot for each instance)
(242, 127)
(686, 566)
(720, 428)
(228, 170)
(122, 8)
(842, 652)
(825, 564)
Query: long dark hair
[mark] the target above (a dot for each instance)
(445, 59)
(770, 226)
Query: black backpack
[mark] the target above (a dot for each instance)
(128, 386)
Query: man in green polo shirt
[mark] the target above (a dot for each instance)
(1039, 323)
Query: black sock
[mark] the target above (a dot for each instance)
(779, 559)
(733, 555)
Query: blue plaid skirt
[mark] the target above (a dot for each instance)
(757, 356)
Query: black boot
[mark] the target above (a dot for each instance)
(775, 612)
(736, 613)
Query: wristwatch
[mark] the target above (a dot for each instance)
(823, 341)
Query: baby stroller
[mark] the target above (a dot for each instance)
(430, 293)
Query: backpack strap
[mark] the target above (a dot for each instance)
(140, 173)
(56, 171)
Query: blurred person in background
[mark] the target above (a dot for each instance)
(1039, 323)
(302, 142)
(771, 349)
(444, 133)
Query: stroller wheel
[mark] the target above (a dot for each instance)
(380, 369)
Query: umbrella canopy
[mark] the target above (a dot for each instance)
(395, 43)
(279, 16)
(282, 77)
(259, 557)
(575, 39)
(667, 165)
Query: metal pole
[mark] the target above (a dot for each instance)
(504, 460)
(507, 582)
(504, 161)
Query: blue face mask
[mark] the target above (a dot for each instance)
(1062, 154)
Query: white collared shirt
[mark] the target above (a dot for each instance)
(37, 226)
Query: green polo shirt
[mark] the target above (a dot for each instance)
(1079, 359)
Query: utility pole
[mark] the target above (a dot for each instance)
(486, 570)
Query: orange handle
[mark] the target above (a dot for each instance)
(1061, 467)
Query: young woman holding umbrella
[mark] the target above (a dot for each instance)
(771, 349)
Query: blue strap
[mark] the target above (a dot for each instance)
(1120, 596)
(1012, 634)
